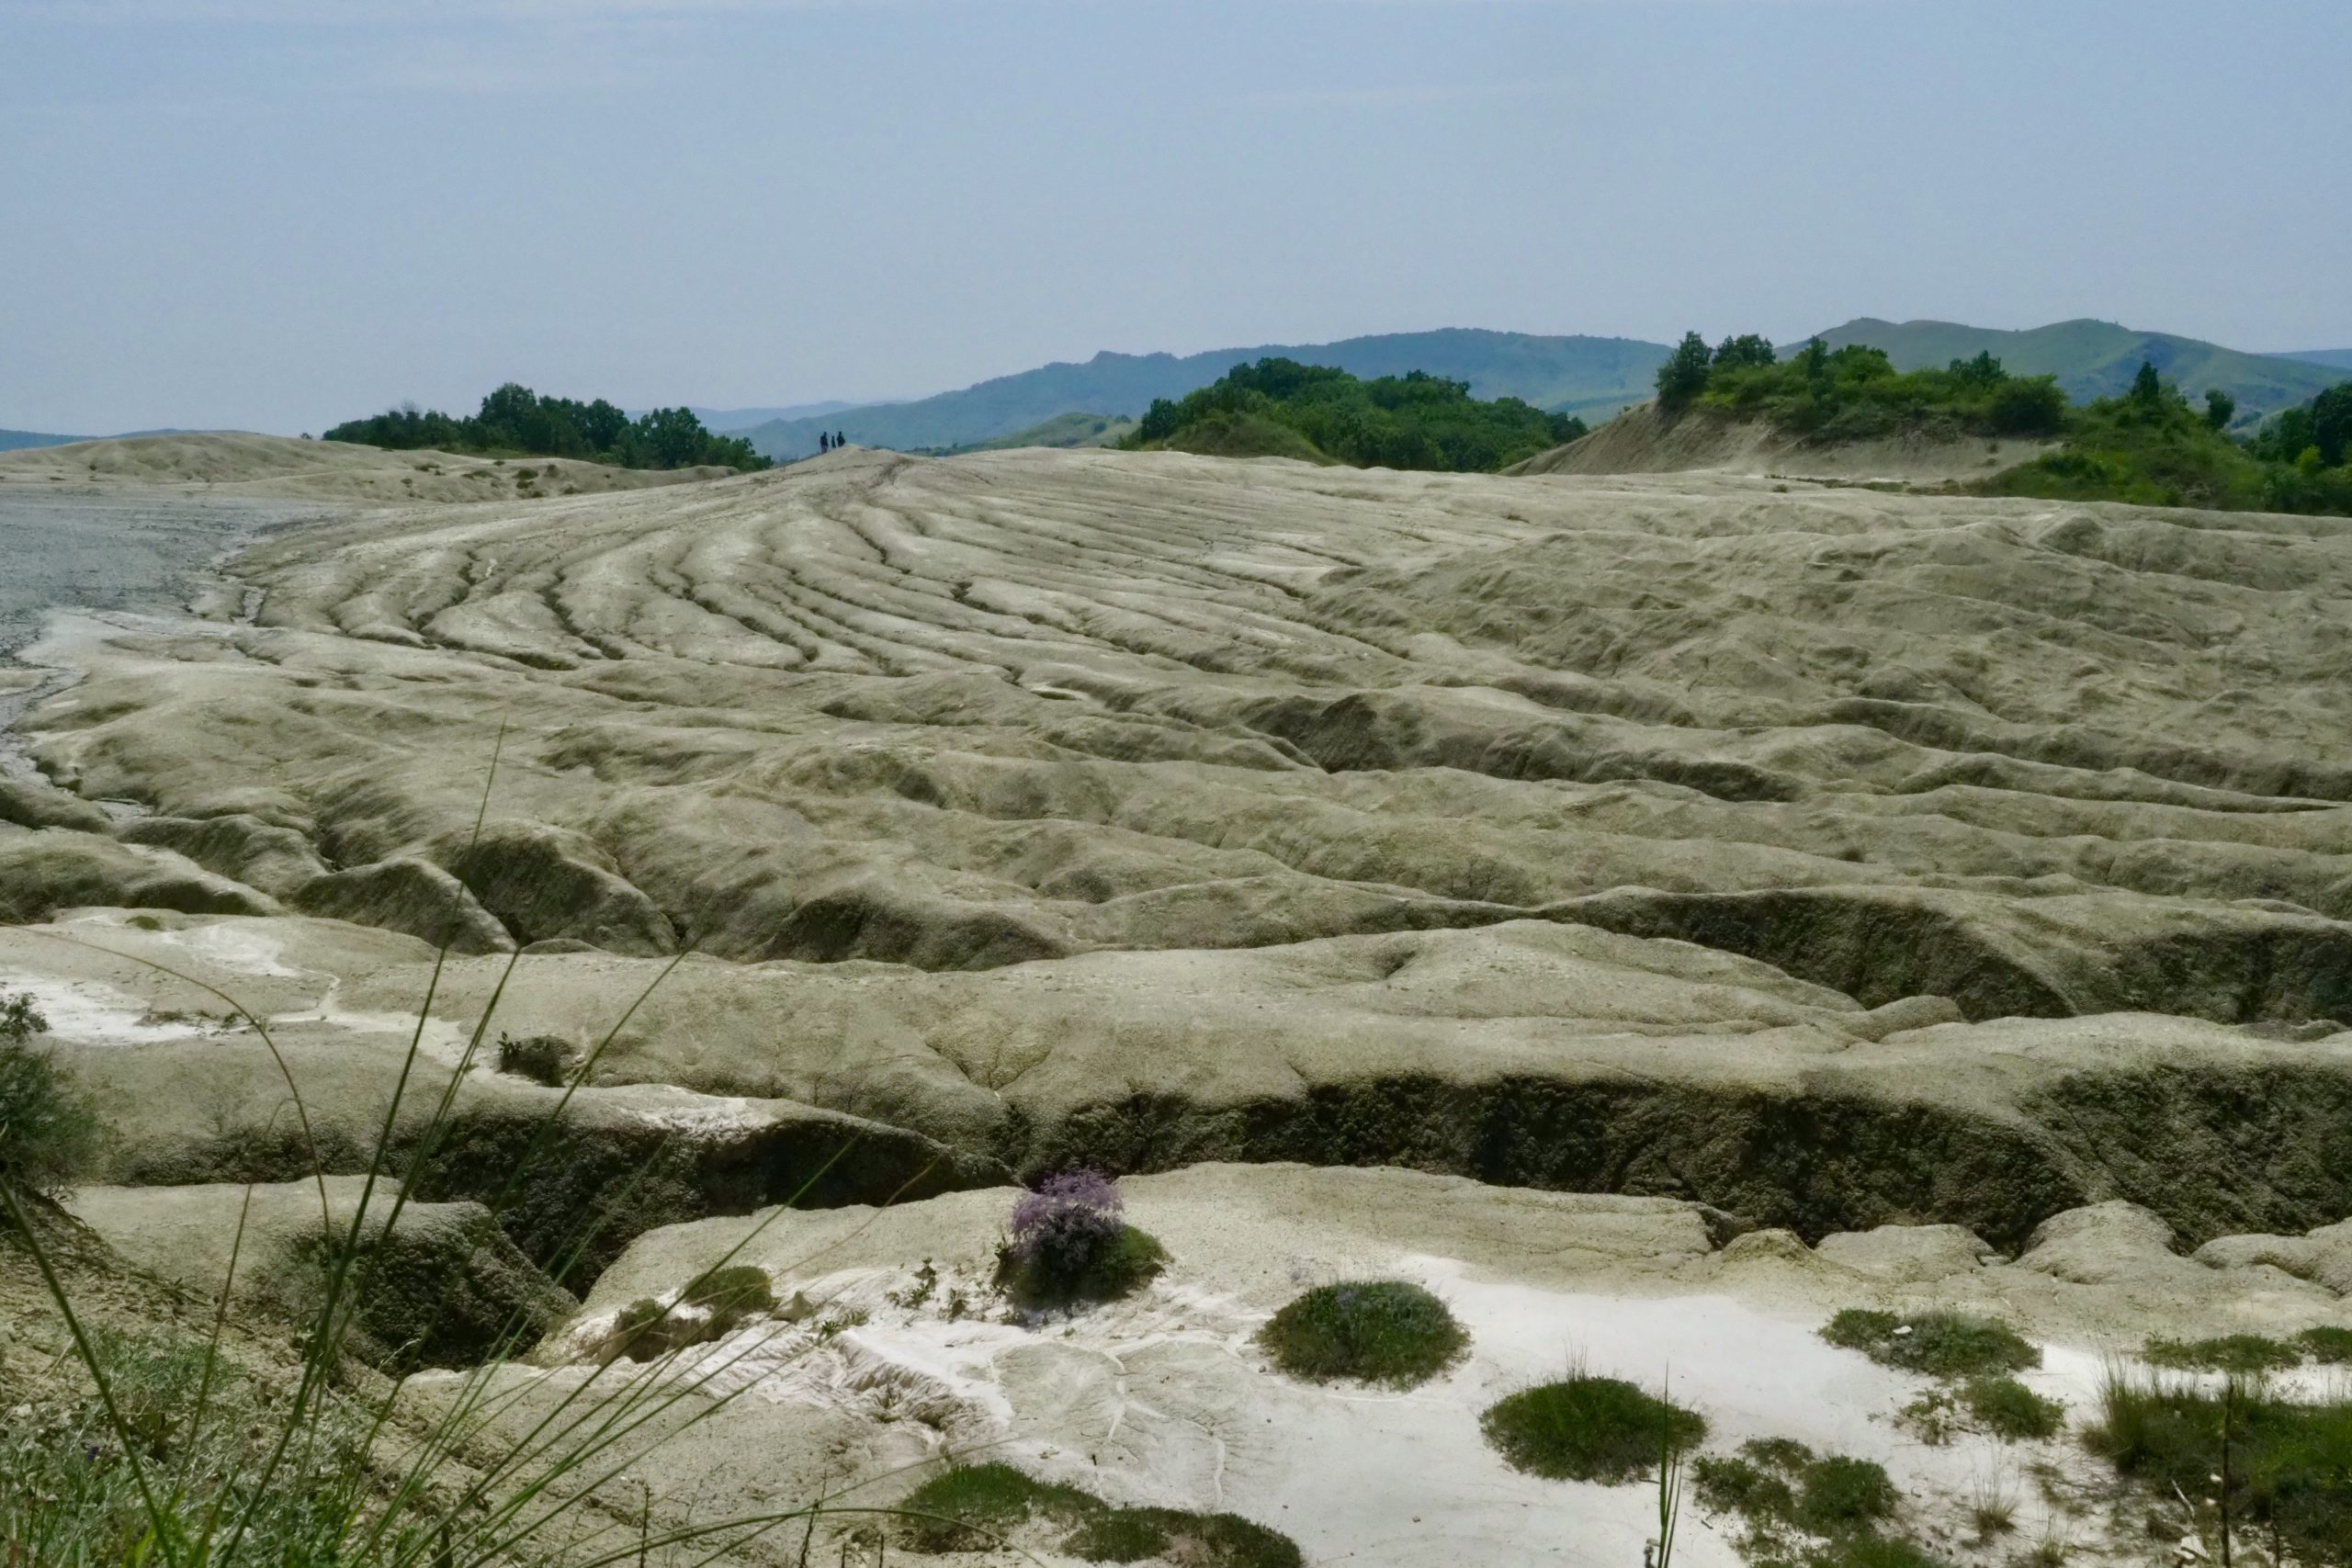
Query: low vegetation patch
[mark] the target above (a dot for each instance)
(2010, 1411)
(2228, 1353)
(1589, 1429)
(201, 1429)
(1941, 1344)
(1823, 1511)
(2287, 1465)
(1281, 408)
(1068, 1243)
(976, 1507)
(2329, 1345)
(1384, 1331)
(728, 1298)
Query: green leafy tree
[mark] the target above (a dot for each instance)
(2147, 388)
(2220, 408)
(1684, 375)
(1745, 352)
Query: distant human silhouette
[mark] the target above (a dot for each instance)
(824, 442)
(840, 441)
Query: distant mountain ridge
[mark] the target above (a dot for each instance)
(1576, 375)
(19, 440)
(2334, 358)
(2097, 359)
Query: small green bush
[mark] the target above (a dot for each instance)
(2228, 1353)
(2010, 1411)
(737, 1288)
(1836, 1495)
(1588, 1428)
(2330, 1346)
(1383, 1331)
(1131, 1260)
(50, 1136)
(1941, 1344)
(970, 1507)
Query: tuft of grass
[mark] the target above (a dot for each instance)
(1588, 1428)
(1384, 1331)
(1941, 1344)
(2010, 1411)
(2227, 1353)
(2287, 1465)
(2329, 1346)
(974, 1507)
(1993, 1506)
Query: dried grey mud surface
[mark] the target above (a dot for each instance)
(1831, 857)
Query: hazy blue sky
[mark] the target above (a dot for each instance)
(281, 213)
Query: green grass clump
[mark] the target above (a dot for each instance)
(1383, 1331)
(1130, 1262)
(1941, 1344)
(2329, 1346)
(1588, 1428)
(1729, 1484)
(1777, 1486)
(1836, 1495)
(200, 1428)
(972, 1507)
(2227, 1353)
(2287, 1465)
(2010, 1411)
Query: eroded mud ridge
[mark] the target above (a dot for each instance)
(1829, 856)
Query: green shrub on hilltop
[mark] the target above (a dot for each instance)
(515, 421)
(2149, 446)
(1281, 408)
(1855, 392)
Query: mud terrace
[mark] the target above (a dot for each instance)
(1712, 900)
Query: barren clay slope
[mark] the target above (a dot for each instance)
(1832, 856)
(1643, 441)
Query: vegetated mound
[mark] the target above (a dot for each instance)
(514, 421)
(2094, 359)
(2149, 446)
(1281, 408)
(1646, 440)
(236, 463)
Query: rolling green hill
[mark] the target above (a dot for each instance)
(2097, 359)
(1594, 376)
(2333, 358)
